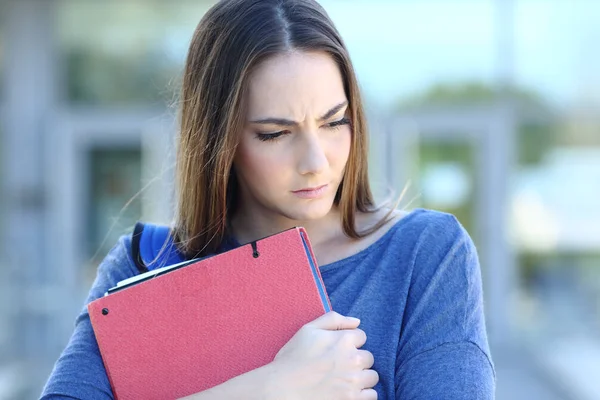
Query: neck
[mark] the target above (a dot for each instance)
(250, 226)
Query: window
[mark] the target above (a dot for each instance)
(114, 182)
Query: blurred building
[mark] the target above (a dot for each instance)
(71, 162)
(87, 125)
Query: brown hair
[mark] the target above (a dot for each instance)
(232, 38)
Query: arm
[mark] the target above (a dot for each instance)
(79, 372)
(443, 350)
(253, 385)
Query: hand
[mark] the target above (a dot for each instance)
(323, 361)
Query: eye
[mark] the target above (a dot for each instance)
(265, 137)
(338, 123)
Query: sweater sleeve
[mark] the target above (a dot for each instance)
(79, 372)
(443, 349)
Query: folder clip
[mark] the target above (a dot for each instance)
(255, 252)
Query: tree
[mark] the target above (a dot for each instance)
(536, 136)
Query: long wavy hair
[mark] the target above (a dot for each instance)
(232, 38)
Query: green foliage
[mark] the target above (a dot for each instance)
(535, 138)
(95, 78)
(466, 94)
(431, 153)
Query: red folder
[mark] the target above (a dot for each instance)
(200, 325)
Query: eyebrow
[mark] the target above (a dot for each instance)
(287, 122)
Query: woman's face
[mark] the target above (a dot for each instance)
(295, 144)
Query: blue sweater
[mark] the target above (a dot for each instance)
(417, 291)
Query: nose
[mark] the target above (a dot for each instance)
(313, 158)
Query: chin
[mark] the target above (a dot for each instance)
(308, 211)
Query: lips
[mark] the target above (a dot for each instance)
(310, 189)
(311, 193)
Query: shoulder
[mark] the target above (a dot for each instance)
(422, 221)
(121, 252)
(119, 259)
(419, 241)
(444, 288)
(416, 231)
(116, 266)
(439, 254)
(413, 222)
(430, 243)
(430, 230)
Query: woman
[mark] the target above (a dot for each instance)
(273, 136)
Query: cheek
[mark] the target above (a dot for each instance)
(339, 148)
(255, 164)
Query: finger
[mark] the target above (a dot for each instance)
(365, 359)
(356, 337)
(367, 394)
(368, 378)
(335, 321)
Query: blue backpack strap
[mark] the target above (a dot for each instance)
(152, 247)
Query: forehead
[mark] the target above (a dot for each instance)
(295, 85)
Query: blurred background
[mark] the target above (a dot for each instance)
(489, 108)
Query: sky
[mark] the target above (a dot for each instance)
(399, 47)
(404, 46)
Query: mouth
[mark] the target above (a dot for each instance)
(311, 193)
